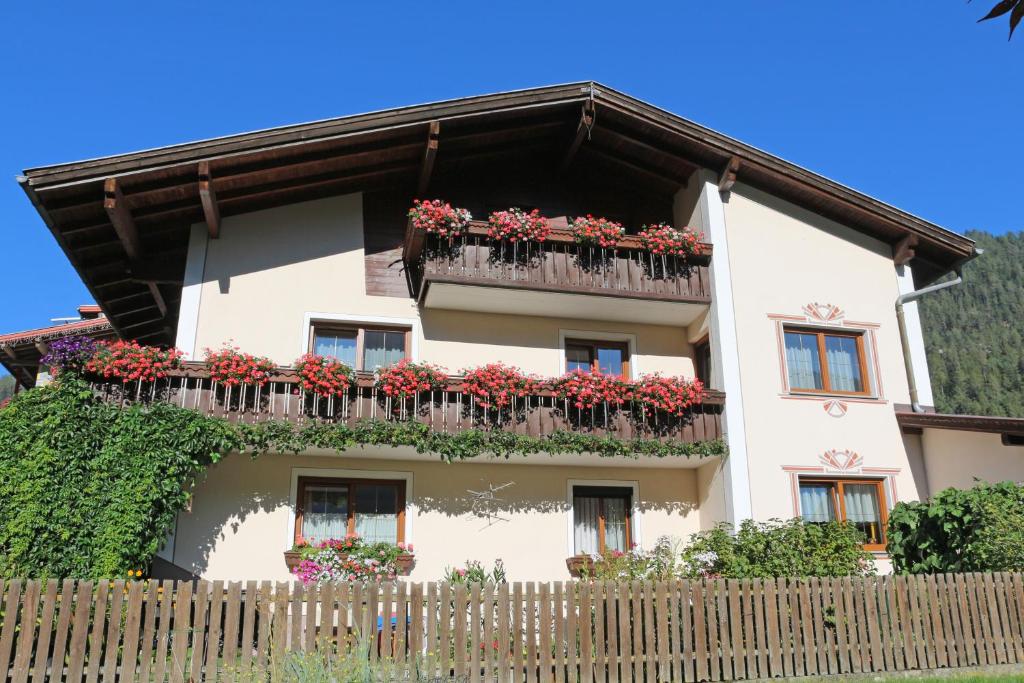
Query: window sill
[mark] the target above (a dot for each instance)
(830, 395)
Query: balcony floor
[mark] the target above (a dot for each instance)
(452, 294)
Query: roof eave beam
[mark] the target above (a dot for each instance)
(728, 176)
(429, 156)
(905, 250)
(208, 197)
(582, 132)
(121, 218)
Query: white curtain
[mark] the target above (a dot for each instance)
(802, 361)
(816, 503)
(336, 345)
(861, 501)
(382, 349)
(585, 514)
(376, 513)
(374, 527)
(615, 524)
(325, 513)
(843, 363)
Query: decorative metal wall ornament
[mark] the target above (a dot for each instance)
(484, 503)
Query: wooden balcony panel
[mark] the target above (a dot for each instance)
(449, 410)
(558, 265)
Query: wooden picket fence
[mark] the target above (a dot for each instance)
(664, 631)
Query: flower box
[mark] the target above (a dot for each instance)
(580, 565)
(292, 559)
(403, 563)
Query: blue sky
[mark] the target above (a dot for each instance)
(910, 101)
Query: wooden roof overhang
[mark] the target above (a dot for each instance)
(123, 221)
(911, 422)
(20, 351)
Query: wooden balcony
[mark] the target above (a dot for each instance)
(450, 410)
(557, 278)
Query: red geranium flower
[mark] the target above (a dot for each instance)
(662, 239)
(597, 232)
(515, 225)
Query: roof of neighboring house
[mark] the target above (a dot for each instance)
(123, 221)
(1013, 426)
(20, 351)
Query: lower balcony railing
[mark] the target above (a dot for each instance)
(447, 410)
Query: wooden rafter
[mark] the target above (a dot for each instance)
(728, 177)
(121, 218)
(429, 155)
(208, 197)
(124, 226)
(159, 271)
(582, 132)
(904, 250)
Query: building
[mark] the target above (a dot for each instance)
(296, 239)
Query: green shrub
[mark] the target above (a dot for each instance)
(960, 530)
(88, 489)
(792, 548)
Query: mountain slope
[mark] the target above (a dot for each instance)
(974, 333)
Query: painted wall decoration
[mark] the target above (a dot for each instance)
(815, 314)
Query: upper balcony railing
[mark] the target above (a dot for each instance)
(448, 410)
(558, 264)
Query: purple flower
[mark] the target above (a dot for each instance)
(70, 353)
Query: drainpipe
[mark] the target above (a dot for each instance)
(908, 360)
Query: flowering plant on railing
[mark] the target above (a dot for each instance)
(324, 376)
(70, 353)
(671, 395)
(596, 232)
(130, 361)
(495, 385)
(231, 367)
(439, 218)
(406, 378)
(587, 390)
(515, 225)
(662, 239)
(352, 559)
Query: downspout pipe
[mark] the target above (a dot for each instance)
(908, 360)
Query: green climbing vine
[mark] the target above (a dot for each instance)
(91, 489)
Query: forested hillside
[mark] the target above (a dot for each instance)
(6, 386)
(975, 332)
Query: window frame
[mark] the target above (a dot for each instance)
(329, 327)
(601, 493)
(593, 345)
(839, 502)
(703, 361)
(820, 334)
(352, 482)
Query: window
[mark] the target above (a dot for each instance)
(333, 508)
(702, 361)
(857, 502)
(601, 519)
(828, 362)
(362, 348)
(611, 358)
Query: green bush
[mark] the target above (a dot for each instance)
(88, 489)
(960, 530)
(792, 548)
